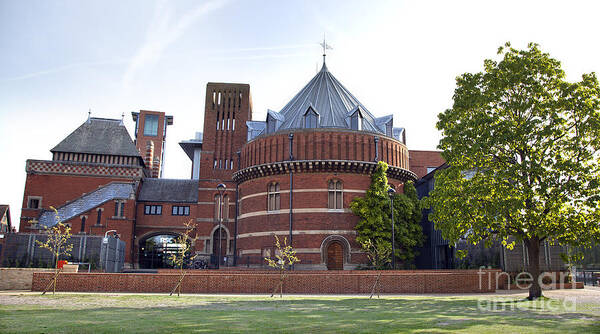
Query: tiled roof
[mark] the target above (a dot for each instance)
(169, 190)
(99, 136)
(109, 192)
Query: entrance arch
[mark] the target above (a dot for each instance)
(219, 239)
(156, 249)
(335, 252)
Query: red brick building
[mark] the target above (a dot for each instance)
(292, 175)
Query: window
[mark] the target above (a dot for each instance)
(335, 199)
(310, 119)
(430, 169)
(151, 125)
(153, 210)
(273, 197)
(270, 124)
(356, 121)
(83, 219)
(34, 202)
(119, 208)
(217, 208)
(179, 210)
(99, 217)
(225, 207)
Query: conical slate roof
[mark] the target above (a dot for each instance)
(331, 100)
(99, 136)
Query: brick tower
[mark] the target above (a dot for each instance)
(227, 108)
(150, 136)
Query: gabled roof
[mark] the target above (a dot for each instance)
(169, 190)
(332, 100)
(99, 136)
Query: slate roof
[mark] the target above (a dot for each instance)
(331, 100)
(109, 192)
(169, 190)
(99, 136)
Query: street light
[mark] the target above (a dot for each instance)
(392, 192)
(221, 188)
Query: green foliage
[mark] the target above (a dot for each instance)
(378, 254)
(375, 225)
(522, 147)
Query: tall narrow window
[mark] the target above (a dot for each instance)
(335, 200)
(217, 208)
(310, 119)
(273, 197)
(151, 125)
(99, 217)
(82, 224)
(225, 207)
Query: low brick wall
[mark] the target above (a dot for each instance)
(299, 282)
(18, 278)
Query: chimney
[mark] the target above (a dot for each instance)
(156, 167)
(148, 158)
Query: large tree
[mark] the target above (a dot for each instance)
(375, 225)
(522, 147)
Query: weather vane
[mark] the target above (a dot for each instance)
(325, 47)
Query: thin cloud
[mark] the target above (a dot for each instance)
(61, 69)
(163, 30)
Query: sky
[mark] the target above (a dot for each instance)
(60, 59)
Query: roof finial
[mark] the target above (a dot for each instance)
(122, 118)
(89, 115)
(325, 48)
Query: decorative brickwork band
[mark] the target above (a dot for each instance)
(318, 166)
(82, 168)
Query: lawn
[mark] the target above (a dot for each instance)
(93, 313)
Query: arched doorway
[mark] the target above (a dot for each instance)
(335, 256)
(216, 240)
(156, 250)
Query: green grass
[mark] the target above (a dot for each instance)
(89, 313)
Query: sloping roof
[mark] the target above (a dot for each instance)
(87, 202)
(99, 136)
(330, 99)
(168, 190)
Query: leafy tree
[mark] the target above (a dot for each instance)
(375, 225)
(56, 242)
(285, 257)
(522, 147)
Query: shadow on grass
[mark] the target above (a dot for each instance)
(357, 315)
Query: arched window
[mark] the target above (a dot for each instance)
(335, 200)
(311, 119)
(273, 197)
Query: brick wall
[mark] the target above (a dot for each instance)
(420, 160)
(324, 144)
(313, 282)
(18, 278)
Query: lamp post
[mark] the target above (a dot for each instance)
(221, 188)
(392, 192)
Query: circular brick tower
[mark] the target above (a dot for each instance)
(301, 169)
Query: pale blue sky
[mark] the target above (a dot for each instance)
(60, 58)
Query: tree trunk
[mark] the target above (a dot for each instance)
(533, 246)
